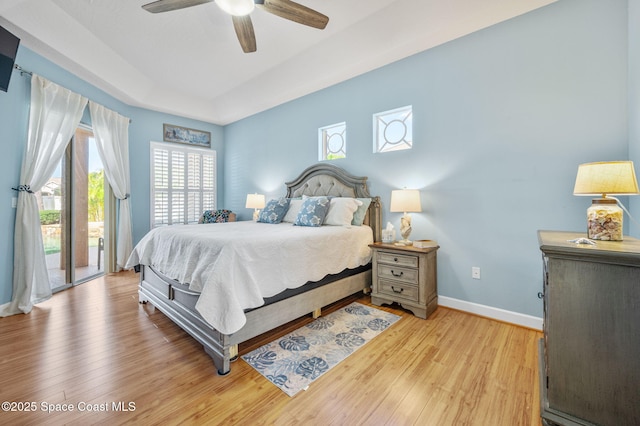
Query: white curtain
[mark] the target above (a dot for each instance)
(111, 131)
(53, 118)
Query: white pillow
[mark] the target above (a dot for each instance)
(341, 210)
(294, 208)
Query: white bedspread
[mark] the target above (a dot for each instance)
(235, 265)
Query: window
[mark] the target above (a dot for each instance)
(392, 130)
(332, 142)
(183, 183)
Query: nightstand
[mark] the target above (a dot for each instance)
(406, 275)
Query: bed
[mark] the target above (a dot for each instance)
(197, 300)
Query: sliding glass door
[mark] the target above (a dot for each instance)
(72, 214)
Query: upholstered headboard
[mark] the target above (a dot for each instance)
(330, 180)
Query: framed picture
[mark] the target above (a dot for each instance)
(171, 133)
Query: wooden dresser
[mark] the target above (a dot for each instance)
(590, 353)
(406, 275)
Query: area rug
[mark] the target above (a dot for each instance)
(294, 361)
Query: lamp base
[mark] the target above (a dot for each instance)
(256, 215)
(403, 243)
(604, 220)
(405, 229)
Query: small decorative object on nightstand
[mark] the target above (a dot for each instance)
(406, 275)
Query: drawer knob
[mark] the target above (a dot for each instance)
(395, 259)
(397, 291)
(396, 275)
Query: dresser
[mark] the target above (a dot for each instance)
(406, 275)
(590, 352)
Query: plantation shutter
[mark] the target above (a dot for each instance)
(183, 183)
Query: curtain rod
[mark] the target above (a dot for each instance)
(23, 72)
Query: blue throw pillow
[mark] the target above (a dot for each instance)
(313, 211)
(274, 211)
(358, 216)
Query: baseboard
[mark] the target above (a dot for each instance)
(491, 312)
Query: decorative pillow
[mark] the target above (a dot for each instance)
(358, 216)
(215, 216)
(341, 210)
(312, 212)
(294, 209)
(274, 211)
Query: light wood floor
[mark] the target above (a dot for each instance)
(94, 346)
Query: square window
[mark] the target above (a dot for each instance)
(332, 142)
(393, 130)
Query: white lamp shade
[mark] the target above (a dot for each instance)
(255, 201)
(236, 7)
(405, 200)
(607, 177)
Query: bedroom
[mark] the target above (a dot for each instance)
(497, 141)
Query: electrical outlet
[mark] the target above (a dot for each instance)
(475, 272)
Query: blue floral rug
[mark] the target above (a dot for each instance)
(297, 359)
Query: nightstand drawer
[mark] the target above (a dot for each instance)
(398, 259)
(397, 273)
(398, 289)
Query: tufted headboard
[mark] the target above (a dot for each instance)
(330, 180)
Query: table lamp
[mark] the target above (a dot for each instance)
(255, 202)
(406, 201)
(606, 178)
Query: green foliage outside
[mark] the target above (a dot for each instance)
(95, 208)
(49, 217)
(335, 156)
(96, 196)
(96, 202)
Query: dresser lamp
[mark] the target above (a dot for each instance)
(406, 201)
(255, 202)
(605, 179)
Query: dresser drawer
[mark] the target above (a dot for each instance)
(399, 289)
(398, 273)
(398, 259)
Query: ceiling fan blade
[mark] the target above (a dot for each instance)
(244, 31)
(295, 12)
(168, 5)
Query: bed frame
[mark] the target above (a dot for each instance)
(177, 304)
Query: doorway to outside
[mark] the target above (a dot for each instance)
(72, 214)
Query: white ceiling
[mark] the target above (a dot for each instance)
(189, 62)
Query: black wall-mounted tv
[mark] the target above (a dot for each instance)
(8, 49)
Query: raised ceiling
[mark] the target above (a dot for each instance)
(189, 62)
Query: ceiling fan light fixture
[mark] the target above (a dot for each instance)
(236, 7)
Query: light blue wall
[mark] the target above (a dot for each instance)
(502, 118)
(634, 106)
(145, 126)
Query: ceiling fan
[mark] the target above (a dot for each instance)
(240, 10)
